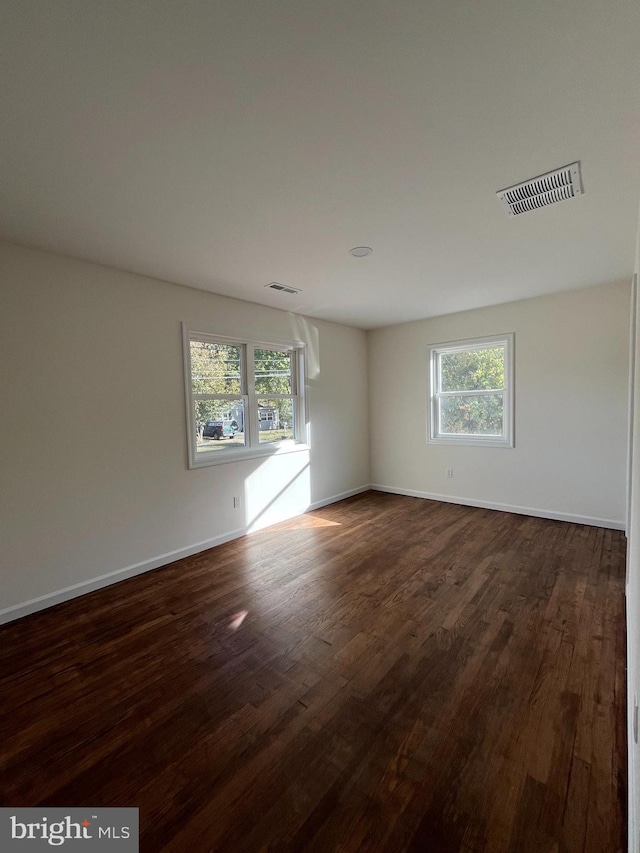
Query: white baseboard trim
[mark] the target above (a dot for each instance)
(519, 510)
(341, 497)
(75, 590)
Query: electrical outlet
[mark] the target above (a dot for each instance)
(237, 502)
(449, 473)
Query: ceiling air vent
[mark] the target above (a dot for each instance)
(560, 185)
(274, 285)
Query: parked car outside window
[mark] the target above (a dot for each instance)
(221, 428)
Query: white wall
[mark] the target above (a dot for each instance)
(93, 453)
(571, 369)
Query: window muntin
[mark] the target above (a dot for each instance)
(243, 398)
(471, 392)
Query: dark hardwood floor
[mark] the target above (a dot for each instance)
(409, 675)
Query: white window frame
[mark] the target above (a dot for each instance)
(435, 395)
(253, 447)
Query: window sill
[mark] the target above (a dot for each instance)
(222, 457)
(472, 442)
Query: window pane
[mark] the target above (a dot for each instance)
(219, 425)
(216, 368)
(275, 420)
(481, 415)
(273, 372)
(472, 370)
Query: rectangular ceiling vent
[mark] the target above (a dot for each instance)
(274, 285)
(560, 185)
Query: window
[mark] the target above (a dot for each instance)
(243, 398)
(471, 392)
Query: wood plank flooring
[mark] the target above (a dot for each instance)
(409, 675)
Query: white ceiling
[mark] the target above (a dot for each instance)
(224, 145)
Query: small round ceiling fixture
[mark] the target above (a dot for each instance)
(361, 251)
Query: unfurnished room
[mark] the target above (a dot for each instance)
(320, 445)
